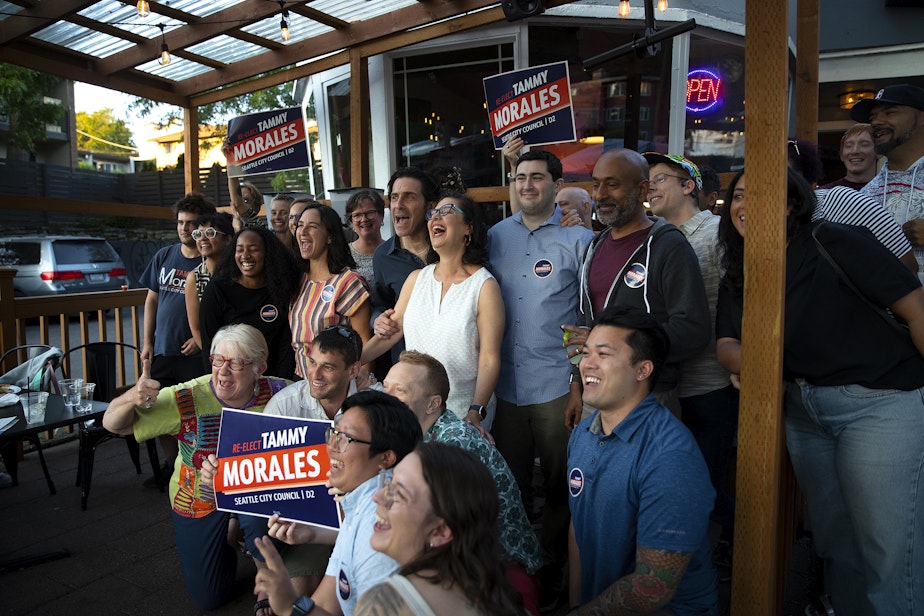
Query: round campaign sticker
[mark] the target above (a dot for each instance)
(269, 313)
(635, 275)
(327, 293)
(542, 268)
(344, 585)
(576, 481)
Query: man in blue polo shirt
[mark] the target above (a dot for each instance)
(536, 262)
(639, 487)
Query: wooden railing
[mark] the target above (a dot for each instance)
(53, 314)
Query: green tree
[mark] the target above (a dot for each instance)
(100, 131)
(21, 91)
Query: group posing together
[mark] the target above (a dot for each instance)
(651, 307)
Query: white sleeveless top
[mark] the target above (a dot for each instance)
(411, 595)
(448, 331)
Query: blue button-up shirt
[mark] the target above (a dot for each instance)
(538, 275)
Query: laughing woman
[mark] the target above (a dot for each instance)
(243, 291)
(452, 310)
(331, 291)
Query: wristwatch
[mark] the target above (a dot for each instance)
(302, 606)
(482, 411)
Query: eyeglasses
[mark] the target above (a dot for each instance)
(795, 146)
(236, 365)
(446, 210)
(387, 486)
(661, 177)
(209, 232)
(340, 441)
(359, 216)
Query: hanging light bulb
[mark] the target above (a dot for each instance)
(143, 8)
(284, 28)
(623, 8)
(164, 50)
(662, 5)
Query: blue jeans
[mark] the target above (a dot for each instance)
(858, 454)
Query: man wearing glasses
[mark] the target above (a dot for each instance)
(168, 341)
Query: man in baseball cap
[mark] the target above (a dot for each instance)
(896, 115)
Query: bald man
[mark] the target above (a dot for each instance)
(577, 200)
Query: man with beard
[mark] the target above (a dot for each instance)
(896, 116)
(411, 192)
(641, 261)
(536, 263)
(168, 341)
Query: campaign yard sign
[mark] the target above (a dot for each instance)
(269, 464)
(267, 142)
(534, 103)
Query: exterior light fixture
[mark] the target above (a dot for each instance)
(143, 8)
(662, 5)
(623, 8)
(283, 25)
(164, 50)
(847, 100)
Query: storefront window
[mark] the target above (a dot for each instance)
(623, 103)
(441, 119)
(338, 117)
(715, 104)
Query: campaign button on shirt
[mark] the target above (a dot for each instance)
(268, 313)
(343, 584)
(635, 276)
(327, 293)
(542, 268)
(576, 481)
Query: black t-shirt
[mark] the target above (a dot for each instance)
(832, 337)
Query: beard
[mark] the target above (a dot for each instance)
(622, 214)
(884, 148)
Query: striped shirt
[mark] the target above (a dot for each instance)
(320, 305)
(848, 207)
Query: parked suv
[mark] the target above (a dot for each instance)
(52, 264)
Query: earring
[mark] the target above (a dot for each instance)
(468, 240)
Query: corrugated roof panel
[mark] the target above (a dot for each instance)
(226, 49)
(125, 17)
(202, 8)
(300, 28)
(8, 10)
(83, 40)
(359, 10)
(178, 69)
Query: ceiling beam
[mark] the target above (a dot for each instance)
(359, 33)
(31, 20)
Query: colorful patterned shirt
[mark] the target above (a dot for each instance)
(191, 413)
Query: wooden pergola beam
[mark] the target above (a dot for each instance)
(807, 45)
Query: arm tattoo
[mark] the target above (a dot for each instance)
(650, 587)
(380, 600)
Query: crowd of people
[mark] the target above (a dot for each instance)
(598, 333)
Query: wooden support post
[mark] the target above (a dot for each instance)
(191, 152)
(807, 71)
(756, 580)
(359, 119)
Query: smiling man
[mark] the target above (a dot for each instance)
(897, 119)
(639, 489)
(858, 153)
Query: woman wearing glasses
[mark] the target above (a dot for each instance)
(452, 310)
(365, 210)
(191, 413)
(213, 236)
(243, 291)
(331, 292)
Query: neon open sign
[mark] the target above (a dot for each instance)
(704, 90)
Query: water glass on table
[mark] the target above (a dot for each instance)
(71, 389)
(33, 406)
(85, 405)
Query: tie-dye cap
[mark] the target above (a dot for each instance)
(675, 161)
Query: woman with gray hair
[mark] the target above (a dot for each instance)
(191, 413)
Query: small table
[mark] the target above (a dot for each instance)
(57, 415)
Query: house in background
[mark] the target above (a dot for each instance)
(168, 147)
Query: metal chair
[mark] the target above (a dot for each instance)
(24, 372)
(104, 363)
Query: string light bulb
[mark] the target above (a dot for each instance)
(662, 5)
(283, 25)
(143, 8)
(623, 8)
(164, 50)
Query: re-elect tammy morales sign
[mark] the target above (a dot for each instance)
(269, 464)
(267, 142)
(534, 103)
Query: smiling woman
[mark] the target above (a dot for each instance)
(242, 292)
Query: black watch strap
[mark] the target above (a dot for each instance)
(302, 606)
(482, 411)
